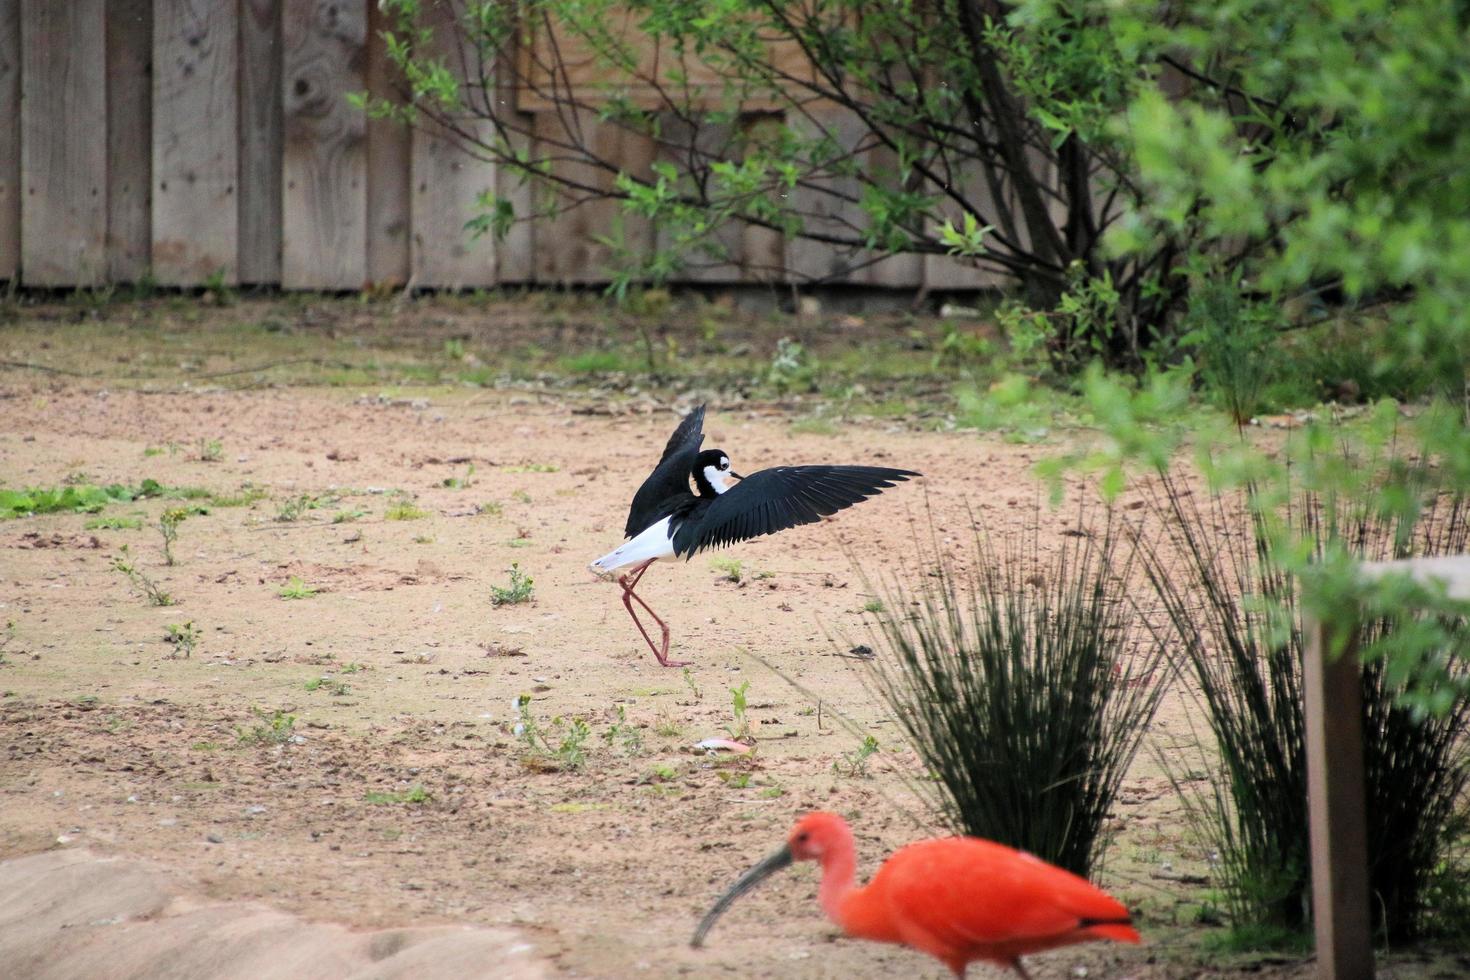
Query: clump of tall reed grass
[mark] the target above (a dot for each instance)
(1024, 680)
(1236, 630)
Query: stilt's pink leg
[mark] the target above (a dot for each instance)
(628, 582)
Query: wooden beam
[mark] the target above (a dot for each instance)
(196, 101)
(448, 175)
(1332, 696)
(389, 167)
(261, 139)
(63, 123)
(129, 139)
(324, 195)
(9, 139)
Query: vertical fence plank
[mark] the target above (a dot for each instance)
(129, 138)
(896, 271)
(567, 250)
(447, 177)
(195, 148)
(325, 161)
(516, 254)
(828, 206)
(389, 159)
(260, 141)
(63, 145)
(9, 139)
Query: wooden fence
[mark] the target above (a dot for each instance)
(199, 140)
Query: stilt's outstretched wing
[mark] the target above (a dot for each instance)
(781, 497)
(671, 476)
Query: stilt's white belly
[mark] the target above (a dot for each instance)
(654, 542)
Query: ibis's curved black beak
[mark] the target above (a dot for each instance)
(781, 859)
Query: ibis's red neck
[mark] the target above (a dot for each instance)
(839, 868)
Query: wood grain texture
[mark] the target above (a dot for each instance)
(195, 149)
(389, 162)
(447, 176)
(9, 139)
(905, 271)
(516, 254)
(129, 139)
(63, 143)
(559, 65)
(324, 193)
(261, 138)
(567, 250)
(829, 205)
(719, 258)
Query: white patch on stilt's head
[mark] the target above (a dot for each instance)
(718, 476)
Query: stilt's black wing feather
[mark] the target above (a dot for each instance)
(781, 497)
(671, 477)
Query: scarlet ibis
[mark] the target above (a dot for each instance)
(667, 520)
(959, 899)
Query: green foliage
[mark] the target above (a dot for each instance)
(79, 498)
(414, 795)
(854, 764)
(296, 588)
(521, 588)
(168, 527)
(1022, 685)
(404, 510)
(792, 367)
(740, 730)
(275, 728)
(139, 580)
(1236, 611)
(1026, 100)
(184, 637)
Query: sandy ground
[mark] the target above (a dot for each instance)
(401, 794)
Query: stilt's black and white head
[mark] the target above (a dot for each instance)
(712, 473)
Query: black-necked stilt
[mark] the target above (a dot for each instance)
(668, 521)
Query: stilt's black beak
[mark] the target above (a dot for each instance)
(781, 859)
(736, 475)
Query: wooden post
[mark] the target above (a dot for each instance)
(1333, 704)
(1332, 694)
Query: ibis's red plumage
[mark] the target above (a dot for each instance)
(959, 899)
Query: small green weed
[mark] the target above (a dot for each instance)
(734, 780)
(521, 589)
(738, 703)
(114, 524)
(694, 688)
(123, 563)
(404, 510)
(522, 496)
(348, 516)
(333, 687)
(625, 735)
(293, 508)
(184, 637)
(296, 589)
(873, 606)
(855, 763)
(729, 568)
(274, 728)
(490, 508)
(532, 468)
(244, 497)
(168, 526)
(414, 795)
(210, 450)
(461, 482)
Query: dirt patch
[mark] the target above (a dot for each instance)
(356, 754)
